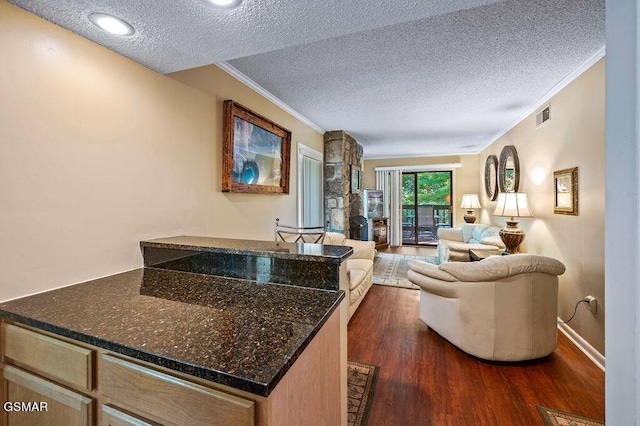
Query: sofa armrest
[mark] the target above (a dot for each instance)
(451, 234)
(361, 249)
(430, 270)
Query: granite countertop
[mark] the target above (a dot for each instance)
(238, 333)
(296, 251)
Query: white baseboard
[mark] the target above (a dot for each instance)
(583, 345)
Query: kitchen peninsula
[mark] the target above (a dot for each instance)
(208, 332)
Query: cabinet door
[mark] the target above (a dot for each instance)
(32, 400)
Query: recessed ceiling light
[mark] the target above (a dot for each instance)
(226, 3)
(111, 24)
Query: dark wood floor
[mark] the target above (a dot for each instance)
(425, 380)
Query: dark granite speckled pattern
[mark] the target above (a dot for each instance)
(305, 252)
(307, 265)
(235, 332)
(313, 274)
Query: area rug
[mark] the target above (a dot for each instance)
(553, 417)
(391, 269)
(361, 383)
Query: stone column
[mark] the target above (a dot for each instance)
(341, 151)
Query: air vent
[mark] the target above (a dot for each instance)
(543, 116)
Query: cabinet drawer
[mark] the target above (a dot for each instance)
(161, 397)
(47, 403)
(52, 357)
(114, 417)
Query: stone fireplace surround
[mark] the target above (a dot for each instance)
(341, 151)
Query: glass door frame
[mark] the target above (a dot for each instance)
(413, 227)
(305, 151)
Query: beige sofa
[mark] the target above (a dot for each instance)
(503, 308)
(359, 267)
(454, 243)
(359, 264)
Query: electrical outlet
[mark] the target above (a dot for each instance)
(592, 304)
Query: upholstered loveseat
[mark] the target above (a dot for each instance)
(454, 243)
(359, 264)
(359, 267)
(502, 308)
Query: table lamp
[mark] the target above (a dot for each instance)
(469, 202)
(512, 204)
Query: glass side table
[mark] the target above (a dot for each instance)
(476, 255)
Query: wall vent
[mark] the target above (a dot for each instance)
(543, 116)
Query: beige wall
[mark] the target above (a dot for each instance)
(247, 215)
(464, 177)
(575, 136)
(98, 153)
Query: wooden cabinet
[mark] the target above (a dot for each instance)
(84, 385)
(168, 399)
(379, 232)
(113, 417)
(32, 400)
(61, 361)
(44, 380)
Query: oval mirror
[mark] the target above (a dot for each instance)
(491, 177)
(509, 170)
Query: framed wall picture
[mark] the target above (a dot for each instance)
(566, 191)
(355, 179)
(255, 152)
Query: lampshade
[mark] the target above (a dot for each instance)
(470, 201)
(512, 204)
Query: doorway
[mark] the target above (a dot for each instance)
(426, 206)
(310, 187)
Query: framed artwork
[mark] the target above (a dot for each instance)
(491, 177)
(566, 191)
(255, 152)
(355, 179)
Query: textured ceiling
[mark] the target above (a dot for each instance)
(404, 77)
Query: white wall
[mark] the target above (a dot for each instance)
(622, 204)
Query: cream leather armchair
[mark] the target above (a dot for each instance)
(503, 308)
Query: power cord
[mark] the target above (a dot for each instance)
(574, 311)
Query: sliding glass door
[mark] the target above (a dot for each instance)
(426, 206)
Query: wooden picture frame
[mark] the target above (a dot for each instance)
(256, 152)
(565, 191)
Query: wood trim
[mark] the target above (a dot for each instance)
(52, 357)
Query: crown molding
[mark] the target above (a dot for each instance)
(547, 96)
(234, 72)
(426, 167)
